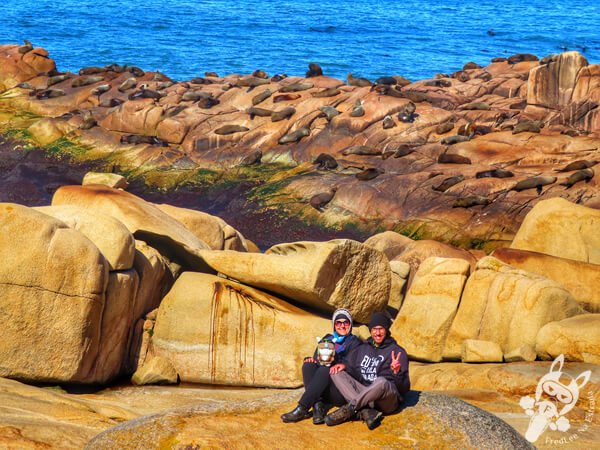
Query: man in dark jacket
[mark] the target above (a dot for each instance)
(374, 378)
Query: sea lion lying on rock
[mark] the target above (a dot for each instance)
(258, 98)
(86, 80)
(578, 165)
(358, 110)
(580, 175)
(283, 114)
(362, 150)
(358, 82)
(330, 92)
(286, 97)
(295, 136)
(329, 112)
(325, 162)
(451, 140)
(388, 122)
(447, 158)
(127, 84)
(534, 182)
(318, 201)
(531, 126)
(448, 183)
(260, 112)
(252, 159)
(495, 173)
(468, 202)
(369, 174)
(314, 70)
(296, 87)
(231, 129)
(141, 139)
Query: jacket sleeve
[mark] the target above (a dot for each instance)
(353, 344)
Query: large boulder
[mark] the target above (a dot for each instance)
(213, 230)
(52, 296)
(144, 220)
(322, 275)
(400, 272)
(578, 338)
(156, 371)
(430, 306)
(507, 306)
(476, 351)
(389, 242)
(220, 332)
(560, 228)
(581, 279)
(112, 238)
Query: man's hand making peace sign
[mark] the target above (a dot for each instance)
(395, 365)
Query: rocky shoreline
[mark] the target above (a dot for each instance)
(466, 206)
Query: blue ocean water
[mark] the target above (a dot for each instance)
(413, 38)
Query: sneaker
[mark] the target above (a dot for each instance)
(320, 410)
(371, 417)
(296, 415)
(343, 414)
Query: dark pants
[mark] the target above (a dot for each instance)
(381, 394)
(318, 386)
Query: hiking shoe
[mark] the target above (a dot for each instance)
(371, 417)
(296, 415)
(320, 410)
(343, 414)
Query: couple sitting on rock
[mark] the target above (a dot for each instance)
(367, 379)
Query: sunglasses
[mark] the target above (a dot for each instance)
(343, 323)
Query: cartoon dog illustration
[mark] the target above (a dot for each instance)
(553, 399)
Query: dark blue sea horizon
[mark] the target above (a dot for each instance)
(414, 38)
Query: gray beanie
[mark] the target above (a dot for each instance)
(341, 313)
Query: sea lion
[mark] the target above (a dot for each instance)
(160, 77)
(384, 89)
(485, 76)
(404, 150)
(101, 89)
(480, 130)
(251, 82)
(200, 80)
(286, 97)
(211, 74)
(260, 74)
(110, 102)
(495, 173)
(455, 139)
(534, 182)
(173, 110)
(57, 79)
(577, 165)
(438, 83)
(530, 126)
(136, 71)
(136, 139)
(325, 162)
(447, 183)
(473, 200)
(253, 111)
(407, 114)
(461, 76)
(88, 122)
(369, 174)
(358, 110)
(129, 83)
(116, 68)
(388, 122)
(548, 59)
(25, 85)
(443, 128)
(207, 102)
(278, 77)
(389, 81)
(145, 93)
(359, 82)
(314, 70)
(448, 158)
(296, 87)
(318, 201)
(86, 80)
(91, 70)
(283, 114)
(361, 150)
(471, 65)
(499, 59)
(164, 85)
(231, 129)
(48, 93)
(252, 159)
(194, 96)
(475, 106)
(329, 112)
(295, 136)
(330, 92)
(520, 57)
(576, 177)
(401, 81)
(259, 98)
(26, 48)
